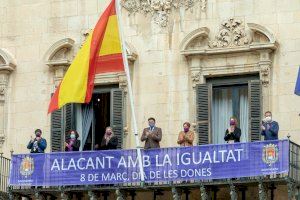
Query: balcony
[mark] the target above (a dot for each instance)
(4, 174)
(255, 187)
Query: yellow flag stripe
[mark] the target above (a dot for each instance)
(74, 85)
(111, 43)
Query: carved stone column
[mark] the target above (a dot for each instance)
(291, 188)
(233, 194)
(92, 195)
(203, 192)
(265, 64)
(5, 72)
(262, 192)
(120, 194)
(176, 193)
(196, 77)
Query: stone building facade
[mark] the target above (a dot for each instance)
(173, 47)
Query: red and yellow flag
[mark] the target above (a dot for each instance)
(100, 53)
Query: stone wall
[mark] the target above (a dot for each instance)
(162, 80)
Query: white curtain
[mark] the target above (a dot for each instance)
(221, 113)
(244, 112)
(87, 118)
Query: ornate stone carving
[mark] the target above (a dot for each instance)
(160, 9)
(233, 193)
(123, 83)
(176, 193)
(232, 33)
(291, 188)
(7, 66)
(120, 194)
(92, 195)
(196, 77)
(262, 191)
(203, 192)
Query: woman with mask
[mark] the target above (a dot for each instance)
(72, 143)
(233, 133)
(109, 140)
(186, 137)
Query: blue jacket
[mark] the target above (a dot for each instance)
(271, 130)
(37, 147)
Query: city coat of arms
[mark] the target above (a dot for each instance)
(270, 154)
(27, 166)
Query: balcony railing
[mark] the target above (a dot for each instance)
(4, 174)
(290, 179)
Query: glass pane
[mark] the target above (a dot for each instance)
(227, 102)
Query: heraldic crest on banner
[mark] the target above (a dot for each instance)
(27, 166)
(270, 154)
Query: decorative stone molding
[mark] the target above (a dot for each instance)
(232, 33)
(7, 66)
(59, 57)
(233, 38)
(160, 10)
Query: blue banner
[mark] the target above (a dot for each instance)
(165, 164)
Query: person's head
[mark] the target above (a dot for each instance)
(38, 132)
(268, 116)
(233, 121)
(108, 130)
(186, 126)
(151, 122)
(73, 134)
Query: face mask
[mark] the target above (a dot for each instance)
(151, 125)
(186, 129)
(108, 133)
(72, 136)
(268, 119)
(232, 123)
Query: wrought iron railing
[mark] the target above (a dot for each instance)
(294, 164)
(4, 173)
(292, 176)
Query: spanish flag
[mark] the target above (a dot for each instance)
(100, 53)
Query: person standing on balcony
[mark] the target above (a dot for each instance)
(233, 133)
(186, 137)
(109, 140)
(151, 135)
(37, 144)
(269, 128)
(72, 143)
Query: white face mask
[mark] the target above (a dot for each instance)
(268, 119)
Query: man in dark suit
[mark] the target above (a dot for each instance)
(151, 135)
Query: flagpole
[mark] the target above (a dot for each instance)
(130, 93)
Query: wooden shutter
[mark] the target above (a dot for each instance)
(116, 120)
(62, 121)
(254, 109)
(203, 112)
(69, 118)
(56, 130)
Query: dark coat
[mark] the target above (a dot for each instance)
(112, 143)
(41, 146)
(271, 132)
(153, 139)
(233, 136)
(76, 145)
